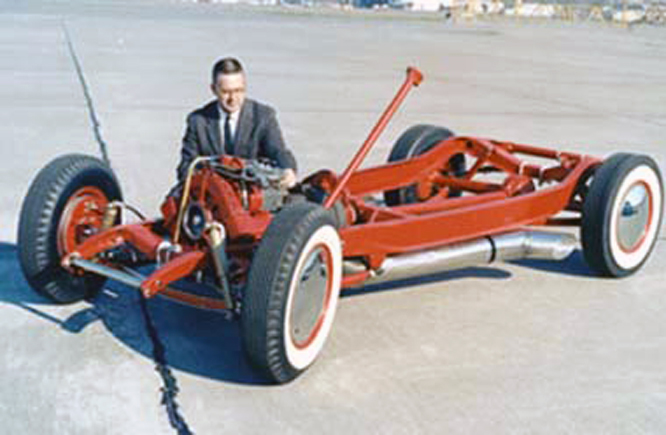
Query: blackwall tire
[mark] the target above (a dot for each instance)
(40, 223)
(622, 214)
(415, 141)
(292, 292)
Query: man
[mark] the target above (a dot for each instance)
(236, 125)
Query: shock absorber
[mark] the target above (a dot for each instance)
(215, 237)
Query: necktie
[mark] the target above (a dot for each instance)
(228, 138)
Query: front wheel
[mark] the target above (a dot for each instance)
(292, 291)
(622, 213)
(64, 205)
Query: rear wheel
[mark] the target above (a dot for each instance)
(292, 291)
(622, 213)
(415, 141)
(64, 205)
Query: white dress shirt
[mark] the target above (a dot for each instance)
(233, 122)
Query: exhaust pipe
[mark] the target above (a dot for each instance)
(505, 247)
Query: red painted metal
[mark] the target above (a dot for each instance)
(354, 279)
(414, 78)
(439, 204)
(502, 192)
(139, 235)
(194, 300)
(179, 267)
(82, 214)
(471, 218)
(222, 199)
(403, 173)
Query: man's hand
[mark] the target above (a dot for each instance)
(289, 179)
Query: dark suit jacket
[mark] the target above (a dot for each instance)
(257, 135)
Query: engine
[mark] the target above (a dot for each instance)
(239, 194)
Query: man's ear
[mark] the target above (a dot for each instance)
(212, 89)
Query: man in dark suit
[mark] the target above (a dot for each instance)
(236, 125)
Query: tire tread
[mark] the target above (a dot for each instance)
(36, 232)
(267, 289)
(595, 226)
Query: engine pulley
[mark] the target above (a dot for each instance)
(194, 221)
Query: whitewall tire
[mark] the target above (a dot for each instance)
(292, 292)
(622, 214)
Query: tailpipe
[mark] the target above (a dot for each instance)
(539, 245)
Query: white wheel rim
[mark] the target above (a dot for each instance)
(302, 352)
(630, 245)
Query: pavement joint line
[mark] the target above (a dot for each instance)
(96, 125)
(169, 387)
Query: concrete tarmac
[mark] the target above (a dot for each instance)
(521, 348)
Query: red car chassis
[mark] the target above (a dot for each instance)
(500, 190)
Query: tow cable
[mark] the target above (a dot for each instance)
(169, 387)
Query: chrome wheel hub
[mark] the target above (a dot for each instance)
(634, 217)
(309, 297)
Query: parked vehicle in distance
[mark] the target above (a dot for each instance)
(532, 10)
(630, 14)
(449, 6)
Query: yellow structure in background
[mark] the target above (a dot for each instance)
(628, 13)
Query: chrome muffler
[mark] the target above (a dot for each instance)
(540, 245)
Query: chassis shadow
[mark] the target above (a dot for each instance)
(439, 277)
(198, 341)
(574, 265)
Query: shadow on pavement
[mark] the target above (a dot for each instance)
(15, 289)
(574, 265)
(196, 341)
(199, 341)
(440, 277)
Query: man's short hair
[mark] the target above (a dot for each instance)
(228, 65)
